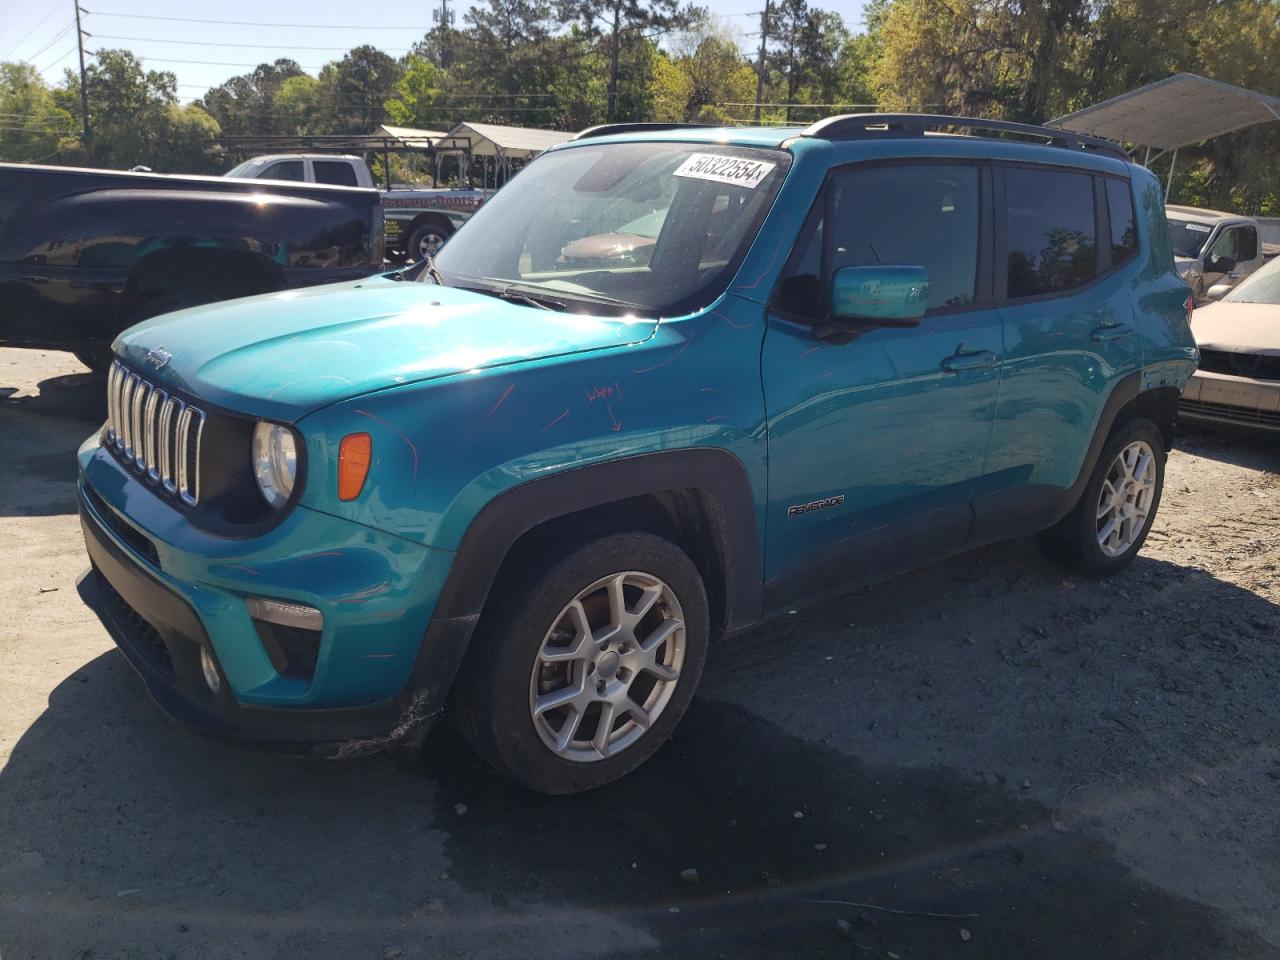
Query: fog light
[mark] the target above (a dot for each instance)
(211, 675)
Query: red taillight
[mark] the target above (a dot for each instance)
(1190, 305)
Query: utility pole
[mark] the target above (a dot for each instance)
(445, 19)
(764, 39)
(84, 90)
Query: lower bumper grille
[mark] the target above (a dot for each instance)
(1245, 416)
(148, 642)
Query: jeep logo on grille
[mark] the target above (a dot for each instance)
(159, 357)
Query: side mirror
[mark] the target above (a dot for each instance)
(879, 296)
(1217, 291)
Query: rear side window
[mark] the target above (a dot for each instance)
(911, 215)
(1124, 231)
(1050, 231)
(335, 172)
(284, 170)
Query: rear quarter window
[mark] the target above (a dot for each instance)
(1124, 227)
(1050, 231)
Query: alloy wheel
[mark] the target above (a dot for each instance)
(1124, 502)
(607, 667)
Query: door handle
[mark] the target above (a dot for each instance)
(1112, 331)
(1234, 275)
(969, 361)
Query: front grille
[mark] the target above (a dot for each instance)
(1247, 416)
(1256, 365)
(146, 639)
(155, 433)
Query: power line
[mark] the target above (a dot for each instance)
(259, 23)
(61, 33)
(215, 43)
(43, 20)
(50, 66)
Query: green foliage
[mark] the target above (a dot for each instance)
(33, 127)
(569, 64)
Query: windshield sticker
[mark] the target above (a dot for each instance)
(1198, 228)
(734, 170)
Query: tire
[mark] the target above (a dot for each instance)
(504, 682)
(95, 356)
(1077, 540)
(426, 239)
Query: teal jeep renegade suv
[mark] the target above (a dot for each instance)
(666, 383)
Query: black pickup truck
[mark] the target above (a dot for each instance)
(86, 253)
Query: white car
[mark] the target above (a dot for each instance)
(1238, 382)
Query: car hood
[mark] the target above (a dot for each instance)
(1238, 327)
(282, 355)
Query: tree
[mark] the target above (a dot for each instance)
(622, 24)
(420, 94)
(669, 91)
(245, 105)
(722, 84)
(296, 106)
(357, 87)
(183, 146)
(128, 108)
(32, 127)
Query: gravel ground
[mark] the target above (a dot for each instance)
(988, 758)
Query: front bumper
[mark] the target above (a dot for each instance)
(385, 666)
(1221, 399)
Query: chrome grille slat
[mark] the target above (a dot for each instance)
(155, 433)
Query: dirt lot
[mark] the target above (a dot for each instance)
(1064, 768)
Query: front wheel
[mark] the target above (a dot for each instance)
(1109, 524)
(581, 672)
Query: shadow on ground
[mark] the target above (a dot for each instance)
(39, 436)
(121, 830)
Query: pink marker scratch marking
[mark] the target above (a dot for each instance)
(554, 422)
(617, 424)
(409, 443)
(683, 347)
(599, 393)
(736, 326)
(501, 400)
(806, 353)
(714, 419)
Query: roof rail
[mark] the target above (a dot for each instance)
(607, 129)
(894, 126)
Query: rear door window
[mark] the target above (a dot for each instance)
(1050, 232)
(334, 172)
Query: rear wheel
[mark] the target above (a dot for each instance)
(581, 672)
(1108, 526)
(427, 238)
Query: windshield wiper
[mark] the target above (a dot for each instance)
(431, 271)
(533, 300)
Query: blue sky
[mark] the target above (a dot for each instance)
(40, 31)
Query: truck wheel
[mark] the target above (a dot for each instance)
(580, 671)
(1109, 524)
(95, 356)
(427, 239)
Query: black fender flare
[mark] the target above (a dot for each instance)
(716, 473)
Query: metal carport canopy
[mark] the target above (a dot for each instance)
(1174, 112)
(510, 143)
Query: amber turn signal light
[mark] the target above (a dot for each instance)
(354, 454)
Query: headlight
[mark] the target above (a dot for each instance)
(275, 461)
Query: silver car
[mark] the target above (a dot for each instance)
(1238, 383)
(1212, 248)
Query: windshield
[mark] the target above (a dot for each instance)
(1188, 237)
(1261, 286)
(244, 170)
(648, 227)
